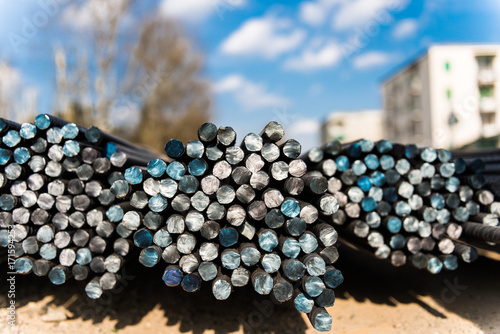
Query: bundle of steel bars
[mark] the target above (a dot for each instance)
(80, 203)
(59, 211)
(413, 205)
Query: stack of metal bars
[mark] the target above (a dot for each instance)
(58, 207)
(80, 203)
(407, 204)
(232, 215)
(77, 201)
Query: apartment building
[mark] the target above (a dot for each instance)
(446, 98)
(348, 126)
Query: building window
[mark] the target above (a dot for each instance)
(488, 118)
(395, 90)
(486, 91)
(452, 119)
(389, 102)
(414, 103)
(395, 130)
(416, 128)
(485, 62)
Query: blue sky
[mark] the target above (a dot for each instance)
(293, 61)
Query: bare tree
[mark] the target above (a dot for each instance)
(176, 100)
(160, 95)
(75, 85)
(107, 53)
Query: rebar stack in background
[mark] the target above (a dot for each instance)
(80, 203)
(408, 204)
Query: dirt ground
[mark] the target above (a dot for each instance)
(375, 298)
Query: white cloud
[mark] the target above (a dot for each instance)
(315, 56)
(306, 131)
(20, 100)
(194, 11)
(358, 12)
(85, 16)
(125, 115)
(312, 13)
(304, 126)
(249, 94)
(316, 89)
(266, 36)
(10, 79)
(372, 59)
(405, 28)
(230, 83)
(315, 13)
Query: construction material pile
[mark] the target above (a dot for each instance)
(78, 203)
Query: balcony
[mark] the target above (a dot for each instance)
(487, 105)
(490, 130)
(415, 86)
(486, 76)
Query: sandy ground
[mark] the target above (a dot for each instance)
(375, 298)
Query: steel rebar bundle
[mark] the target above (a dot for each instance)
(75, 202)
(407, 204)
(80, 203)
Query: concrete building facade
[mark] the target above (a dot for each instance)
(447, 98)
(348, 126)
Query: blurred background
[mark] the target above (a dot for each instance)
(423, 71)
